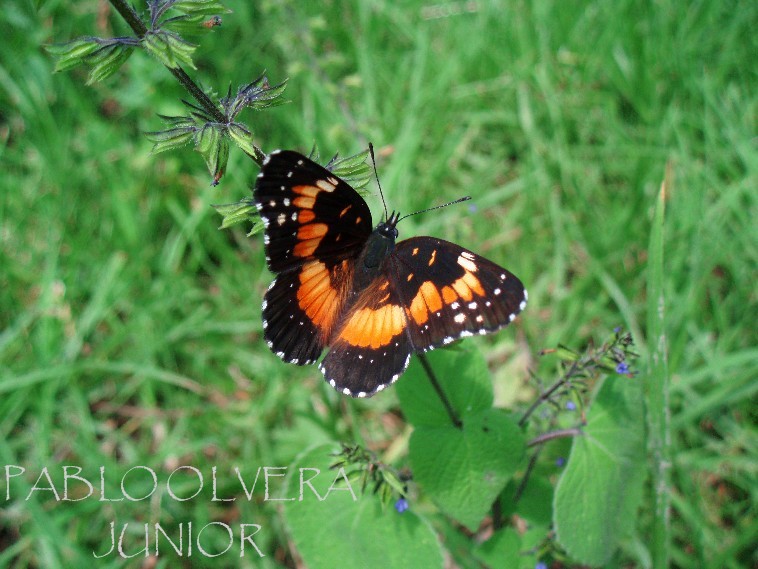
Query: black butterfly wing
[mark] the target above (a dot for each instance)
(315, 226)
(449, 292)
(308, 212)
(370, 347)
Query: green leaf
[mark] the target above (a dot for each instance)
(353, 169)
(169, 139)
(72, 53)
(463, 375)
(234, 213)
(217, 158)
(536, 502)
(107, 61)
(601, 488)
(340, 532)
(200, 7)
(207, 139)
(501, 551)
(464, 470)
(169, 48)
(242, 137)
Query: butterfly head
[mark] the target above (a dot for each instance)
(388, 228)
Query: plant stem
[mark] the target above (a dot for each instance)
(438, 388)
(138, 27)
(545, 395)
(552, 435)
(527, 474)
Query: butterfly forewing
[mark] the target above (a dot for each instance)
(450, 292)
(308, 212)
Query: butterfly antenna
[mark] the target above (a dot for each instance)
(373, 161)
(459, 200)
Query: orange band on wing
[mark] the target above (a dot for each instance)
(467, 285)
(375, 327)
(304, 202)
(312, 231)
(309, 237)
(316, 295)
(449, 296)
(427, 300)
(305, 215)
(308, 191)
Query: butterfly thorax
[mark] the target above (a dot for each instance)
(379, 246)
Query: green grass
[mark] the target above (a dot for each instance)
(130, 329)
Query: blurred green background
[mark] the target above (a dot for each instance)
(130, 329)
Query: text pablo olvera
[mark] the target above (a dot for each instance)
(185, 538)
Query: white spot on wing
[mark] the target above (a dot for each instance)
(326, 186)
(467, 264)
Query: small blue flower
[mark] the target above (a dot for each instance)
(472, 208)
(541, 565)
(570, 405)
(622, 368)
(617, 329)
(401, 505)
(560, 461)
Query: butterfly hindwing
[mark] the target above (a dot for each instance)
(301, 307)
(370, 347)
(450, 292)
(308, 212)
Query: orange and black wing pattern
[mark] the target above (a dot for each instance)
(308, 212)
(371, 301)
(450, 293)
(370, 347)
(315, 227)
(431, 293)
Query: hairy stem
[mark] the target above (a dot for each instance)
(138, 27)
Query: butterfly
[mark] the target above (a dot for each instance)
(342, 284)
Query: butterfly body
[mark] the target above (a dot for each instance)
(379, 246)
(371, 300)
